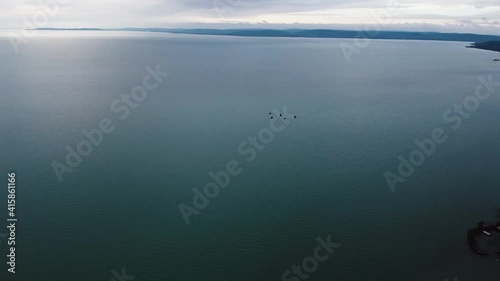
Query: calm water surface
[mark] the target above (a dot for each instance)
(322, 175)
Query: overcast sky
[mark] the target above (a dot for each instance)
(481, 16)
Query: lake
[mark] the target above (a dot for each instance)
(321, 175)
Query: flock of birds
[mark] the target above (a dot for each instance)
(281, 115)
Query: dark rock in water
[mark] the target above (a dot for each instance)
(484, 239)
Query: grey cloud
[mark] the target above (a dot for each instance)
(167, 13)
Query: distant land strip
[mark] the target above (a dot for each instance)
(490, 46)
(314, 33)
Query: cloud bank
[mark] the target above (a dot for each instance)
(443, 15)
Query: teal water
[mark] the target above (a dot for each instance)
(322, 175)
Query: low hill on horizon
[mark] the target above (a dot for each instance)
(314, 33)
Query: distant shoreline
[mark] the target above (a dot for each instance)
(306, 33)
(488, 46)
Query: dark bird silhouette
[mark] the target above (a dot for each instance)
(281, 115)
(295, 117)
(272, 117)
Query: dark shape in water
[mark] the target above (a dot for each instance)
(479, 230)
